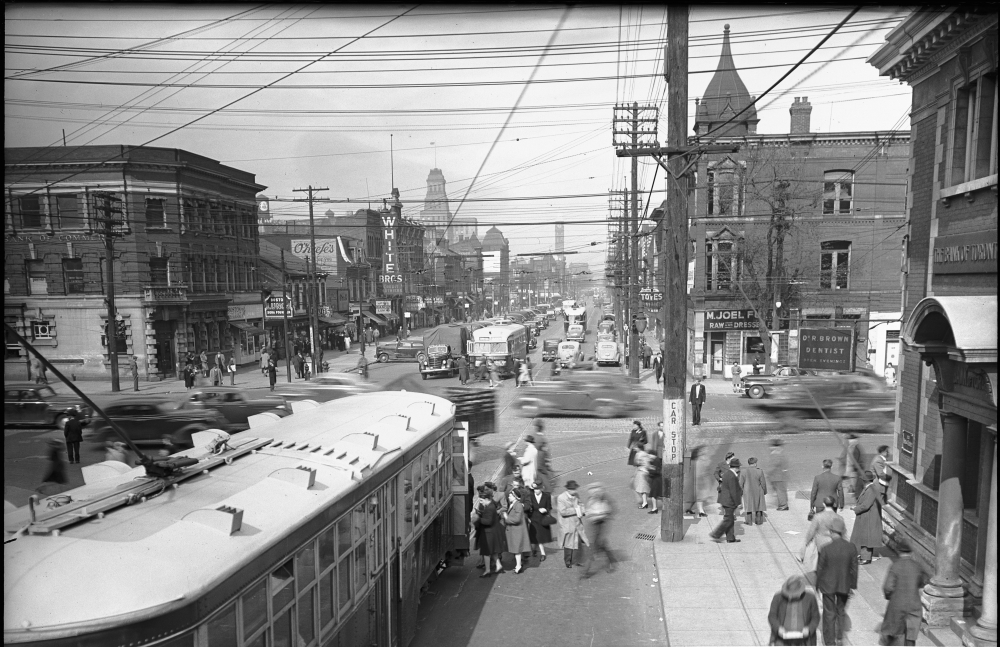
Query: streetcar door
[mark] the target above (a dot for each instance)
(461, 497)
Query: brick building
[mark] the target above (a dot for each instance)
(496, 271)
(185, 267)
(943, 496)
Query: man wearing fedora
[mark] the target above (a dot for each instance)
(867, 532)
(836, 579)
(902, 586)
(730, 497)
(825, 484)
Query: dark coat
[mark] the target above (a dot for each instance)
(73, 431)
(494, 536)
(655, 477)
(538, 533)
(902, 587)
(272, 374)
(868, 523)
(463, 369)
(730, 494)
(775, 617)
(697, 395)
(754, 487)
(57, 468)
(837, 567)
(825, 484)
(637, 439)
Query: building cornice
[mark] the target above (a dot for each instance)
(126, 165)
(859, 138)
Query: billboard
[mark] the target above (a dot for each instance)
(326, 252)
(826, 348)
(273, 309)
(491, 262)
(383, 307)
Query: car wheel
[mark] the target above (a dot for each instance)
(421, 358)
(383, 357)
(756, 392)
(60, 421)
(605, 410)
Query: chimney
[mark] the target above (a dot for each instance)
(800, 112)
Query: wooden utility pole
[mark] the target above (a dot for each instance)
(631, 227)
(312, 285)
(675, 268)
(284, 315)
(110, 207)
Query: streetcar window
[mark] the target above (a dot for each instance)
(327, 594)
(344, 581)
(222, 628)
(307, 630)
(344, 535)
(416, 506)
(254, 603)
(360, 526)
(327, 548)
(361, 566)
(305, 563)
(282, 591)
(282, 628)
(423, 499)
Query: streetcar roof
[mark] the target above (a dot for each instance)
(175, 535)
(496, 332)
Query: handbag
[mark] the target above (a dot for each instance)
(547, 520)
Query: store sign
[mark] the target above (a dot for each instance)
(391, 277)
(413, 302)
(244, 312)
(730, 320)
(826, 348)
(326, 253)
(435, 301)
(383, 307)
(907, 444)
(651, 297)
(342, 297)
(274, 310)
(966, 253)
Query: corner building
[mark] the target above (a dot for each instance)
(943, 496)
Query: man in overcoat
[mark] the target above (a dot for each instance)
(730, 497)
(880, 469)
(571, 524)
(825, 484)
(777, 473)
(697, 399)
(836, 579)
(867, 532)
(754, 487)
(902, 586)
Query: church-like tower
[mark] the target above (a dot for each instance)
(725, 97)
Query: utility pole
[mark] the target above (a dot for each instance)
(312, 285)
(284, 315)
(110, 205)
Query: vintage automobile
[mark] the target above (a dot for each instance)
(851, 402)
(570, 353)
(38, 404)
(607, 327)
(236, 404)
(411, 349)
(326, 387)
(550, 350)
(147, 421)
(439, 362)
(576, 332)
(584, 393)
(607, 353)
(757, 386)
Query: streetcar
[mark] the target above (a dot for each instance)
(318, 528)
(505, 345)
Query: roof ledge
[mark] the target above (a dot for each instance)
(962, 328)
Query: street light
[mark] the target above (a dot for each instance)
(639, 323)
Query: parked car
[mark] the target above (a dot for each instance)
(326, 387)
(237, 405)
(38, 404)
(404, 350)
(607, 352)
(757, 386)
(849, 401)
(576, 332)
(147, 421)
(586, 393)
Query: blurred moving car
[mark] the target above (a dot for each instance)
(757, 386)
(147, 421)
(326, 387)
(550, 350)
(403, 350)
(585, 393)
(237, 405)
(38, 404)
(851, 402)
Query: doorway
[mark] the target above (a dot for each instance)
(716, 350)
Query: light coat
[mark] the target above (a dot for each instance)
(570, 515)
(777, 466)
(868, 523)
(642, 468)
(529, 463)
(817, 536)
(754, 487)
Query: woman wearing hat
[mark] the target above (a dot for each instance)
(571, 524)
(540, 516)
(493, 536)
(867, 532)
(637, 439)
(516, 529)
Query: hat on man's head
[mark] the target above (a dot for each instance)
(903, 546)
(794, 587)
(838, 526)
(734, 463)
(777, 442)
(869, 476)
(572, 485)
(538, 483)
(529, 438)
(729, 455)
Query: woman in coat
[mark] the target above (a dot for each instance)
(539, 530)
(516, 528)
(529, 460)
(696, 482)
(655, 478)
(571, 524)
(640, 482)
(867, 533)
(637, 438)
(478, 539)
(493, 536)
(272, 374)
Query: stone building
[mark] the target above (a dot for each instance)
(496, 271)
(811, 221)
(436, 215)
(943, 494)
(185, 265)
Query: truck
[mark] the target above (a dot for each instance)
(442, 346)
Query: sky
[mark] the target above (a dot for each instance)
(514, 103)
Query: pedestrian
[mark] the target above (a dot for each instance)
(56, 471)
(852, 465)
(737, 383)
(756, 364)
(655, 478)
(116, 451)
(204, 363)
(517, 374)
(525, 375)
(463, 369)
(541, 519)
(880, 468)
(697, 399)
(867, 532)
(272, 374)
(215, 374)
(647, 355)
(38, 371)
(777, 473)
(73, 433)
(637, 438)
(836, 579)
(754, 487)
(516, 529)
(529, 460)
(695, 488)
(297, 363)
(510, 461)
(599, 511)
(890, 375)
(543, 461)
(730, 497)
(571, 525)
(640, 482)
(658, 366)
(494, 536)
(477, 539)
(491, 366)
(511, 481)
(825, 484)
(902, 586)
(319, 365)
(794, 615)
(220, 361)
(721, 469)
(231, 369)
(134, 367)
(265, 357)
(189, 373)
(345, 343)
(817, 536)
(363, 366)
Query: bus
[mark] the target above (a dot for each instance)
(315, 529)
(502, 344)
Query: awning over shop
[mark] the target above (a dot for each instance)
(334, 320)
(246, 327)
(374, 318)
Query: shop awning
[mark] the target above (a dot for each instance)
(377, 319)
(246, 327)
(334, 320)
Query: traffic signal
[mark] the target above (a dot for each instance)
(120, 328)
